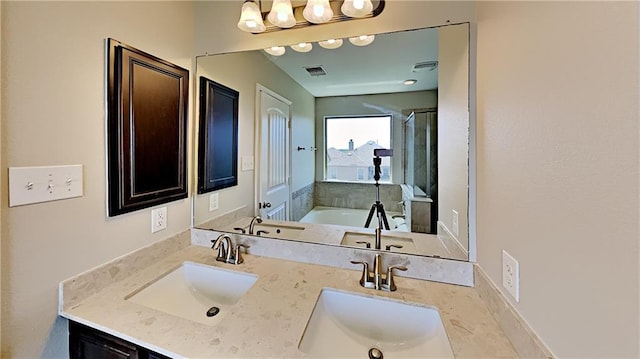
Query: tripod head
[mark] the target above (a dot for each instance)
(377, 160)
(376, 166)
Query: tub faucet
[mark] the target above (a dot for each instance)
(376, 279)
(255, 219)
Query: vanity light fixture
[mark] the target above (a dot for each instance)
(251, 18)
(302, 47)
(356, 8)
(362, 40)
(284, 15)
(409, 82)
(281, 14)
(275, 50)
(331, 43)
(317, 11)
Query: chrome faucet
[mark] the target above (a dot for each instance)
(226, 251)
(376, 279)
(255, 219)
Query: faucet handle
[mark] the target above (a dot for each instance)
(238, 259)
(365, 279)
(389, 246)
(390, 284)
(366, 243)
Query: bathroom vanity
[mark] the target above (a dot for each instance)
(269, 318)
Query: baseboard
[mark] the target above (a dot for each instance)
(522, 337)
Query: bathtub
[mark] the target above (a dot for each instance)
(347, 217)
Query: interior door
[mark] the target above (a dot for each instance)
(274, 172)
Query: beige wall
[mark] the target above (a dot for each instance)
(241, 71)
(53, 113)
(557, 152)
(453, 129)
(558, 167)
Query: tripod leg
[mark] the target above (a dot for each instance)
(384, 216)
(368, 222)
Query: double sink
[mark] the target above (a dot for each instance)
(342, 324)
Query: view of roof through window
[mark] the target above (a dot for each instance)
(350, 142)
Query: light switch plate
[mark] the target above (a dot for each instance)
(29, 185)
(246, 163)
(511, 275)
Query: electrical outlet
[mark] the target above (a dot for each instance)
(454, 222)
(213, 202)
(158, 219)
(511, 275)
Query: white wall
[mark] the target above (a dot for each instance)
(453, 129)
(558, 167)
(53, 101)
(386, 104)
(241, 71)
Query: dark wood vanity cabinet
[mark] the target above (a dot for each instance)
(89, 343)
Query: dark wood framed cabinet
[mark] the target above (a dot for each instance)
(147, 100)
(217, 137)
(89, 343)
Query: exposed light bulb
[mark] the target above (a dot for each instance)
(358, 4)
(318, 10)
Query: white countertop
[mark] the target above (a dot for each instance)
(269, 319)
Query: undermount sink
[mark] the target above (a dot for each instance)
(351, 325)
(193, 291)
(351, 239)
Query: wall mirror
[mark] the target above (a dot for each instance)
(327, 171)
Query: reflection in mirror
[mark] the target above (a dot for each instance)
(330, 172)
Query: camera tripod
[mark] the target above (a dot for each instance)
(377, 206)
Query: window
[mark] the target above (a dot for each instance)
(349, 143)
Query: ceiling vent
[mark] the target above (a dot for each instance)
(425, 66)
(316, 70)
